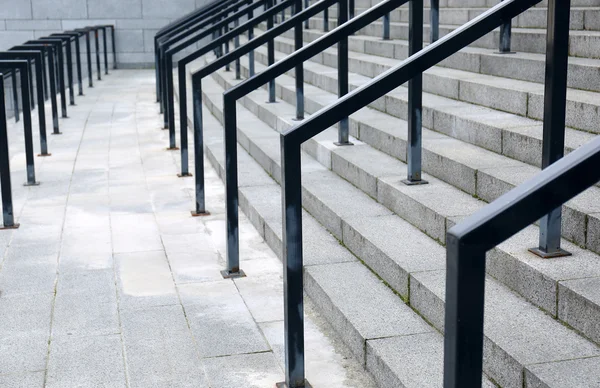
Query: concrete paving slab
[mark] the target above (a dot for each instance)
(86, 361)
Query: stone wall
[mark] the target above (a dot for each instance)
(136, 22)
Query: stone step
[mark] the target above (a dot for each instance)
(531, 40)
(500, 93)
(346, 293)
(477, 171)
(367, 229)
(583, 72)
(582, 18)
(434, 209)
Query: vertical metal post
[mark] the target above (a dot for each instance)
(271, 54)
(98, 54)
(415, 97)
(200, 209)
(386, 26)
(114, 47)
(251, 53)
(463, 334)
(31, 92)
(54, 103)
(342, 46)
(164, 88)
(88, 48)
(15, 90)
(61, 79)
(236, 42)
(170, 100)
(231, 188)
(70, 72)
(326, 20)
(156, 71)
(505, 37)
(293, 298)
(434, 21)
(351, 9)
(306, 22)
(183, 123)
(8, 218)
(555, 95)
(78, 59)
(41, 109)
(104, 35)
(27, 127)
(227, 66)
(298, 41)
(44, 75)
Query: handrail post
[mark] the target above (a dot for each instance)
(434, 21)
(114, 47)
(344, 125)
(198, 148)
(8, 218)
(293, 287)
(226, 44)
(298, 41)
(53, 102)
(78, 59)
(351, 9)
(182, 124)
(326, 20)
(170, 124)
(415, 97)
(463, 330)
(386, 26)
(505, 37)
(555, 96)
(236, 42)
(250, 37)
(98, 54)
(231, 189)
(88, 47)
(15, 90)
(271, 54)
(105, 36)
(306, 22)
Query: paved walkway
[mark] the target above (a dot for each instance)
(110, 283)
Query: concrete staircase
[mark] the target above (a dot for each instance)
(374, 248)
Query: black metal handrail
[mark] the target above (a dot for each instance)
(294, 325)
(269, 14)
(168, 54)
(75, 35)
(49, 50)
(293, 60)
(177, 27)
(37, 59)
(466, 244)
(24, 67)
(8, 218)
(58, 49)
(166, 42)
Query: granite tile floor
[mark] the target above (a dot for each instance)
(109, 282)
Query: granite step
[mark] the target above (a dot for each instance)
(582, 18)
(434, 209)
(532, 40)
(454, 153)
(368, 228)
(500, 94)
(343, 289)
